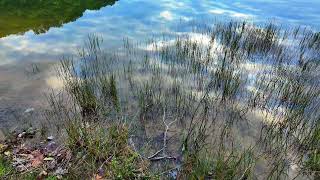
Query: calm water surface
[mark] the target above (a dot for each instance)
(44, 30)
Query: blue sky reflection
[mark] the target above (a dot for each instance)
(140, 19)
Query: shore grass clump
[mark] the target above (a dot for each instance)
(105, 151)
(89, 83)
(218, 164)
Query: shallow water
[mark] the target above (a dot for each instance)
(43, 31)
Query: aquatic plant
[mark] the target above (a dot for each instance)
(214, 103)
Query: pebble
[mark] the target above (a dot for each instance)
(50, 138)
(21, 135)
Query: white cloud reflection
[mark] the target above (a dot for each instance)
(230, 13)
(142, 19)
(167, 15)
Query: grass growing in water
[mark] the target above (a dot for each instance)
(213, 104)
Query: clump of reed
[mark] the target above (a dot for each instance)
(189, 103)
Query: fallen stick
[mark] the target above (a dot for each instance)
(161, 158)
(155, 154)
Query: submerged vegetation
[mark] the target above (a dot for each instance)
(233, 101)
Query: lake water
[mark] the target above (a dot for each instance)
(61, 27)
(44, 31)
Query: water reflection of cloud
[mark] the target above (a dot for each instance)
(141, 19)
(231, 13)
(246, 7)
(167, 15)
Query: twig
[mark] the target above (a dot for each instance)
(155, 154)
(163, 157)
(106, 161)
(244, 174)
(163, 150)
(166, 132)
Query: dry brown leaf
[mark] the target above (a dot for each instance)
(98, 177)
(36, 162)
(37, 158)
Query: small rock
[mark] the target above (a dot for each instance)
(21, 135)
(50, 138)
(51, 148)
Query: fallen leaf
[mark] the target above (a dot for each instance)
(36, 163)
(7, 153)
(98, 177)
(37, 159)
